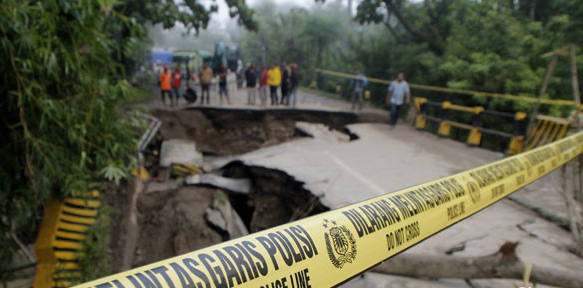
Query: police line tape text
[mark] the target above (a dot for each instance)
(402, 235)
(237, 263)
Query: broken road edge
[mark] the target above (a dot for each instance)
(330, 248)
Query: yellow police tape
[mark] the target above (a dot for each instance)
(330, 248)
(458, 91)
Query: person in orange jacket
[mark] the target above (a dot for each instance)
(165, 87)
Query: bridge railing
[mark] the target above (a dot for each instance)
(546, 129)
(60, 239)
(459, 92)
(476, 128)
(330, 248)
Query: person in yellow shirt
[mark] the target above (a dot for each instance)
(206, 78)
(274, 82)
(165, 87)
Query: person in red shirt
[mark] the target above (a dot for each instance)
(165, 86)
(263, 87)
(176, 85)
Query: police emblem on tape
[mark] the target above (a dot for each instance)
(340, 243)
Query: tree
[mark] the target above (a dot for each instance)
(296, 35)
(419, 32)
(133, 15)
(487, 45)
(61, 118)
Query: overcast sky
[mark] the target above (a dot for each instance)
(223, 18)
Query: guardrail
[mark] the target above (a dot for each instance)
(62, 231)
(546, 130)
(509, 97)
(65, 222)
(330, 248)
(476, 129)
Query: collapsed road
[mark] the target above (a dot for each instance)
(302, 163)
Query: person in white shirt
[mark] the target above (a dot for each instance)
(397, 95)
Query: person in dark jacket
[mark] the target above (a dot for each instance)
(358, 83)
(285, 75)
(294, 83)
(223, 89)
(251, 79)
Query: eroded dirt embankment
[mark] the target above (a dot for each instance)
(232, 131)
(171, 218)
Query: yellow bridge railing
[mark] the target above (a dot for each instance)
(59, 242)
(546, 130)
(509, 97)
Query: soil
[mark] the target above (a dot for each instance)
(276, 197)
(118, 202)
(229, 132)
(172, 223)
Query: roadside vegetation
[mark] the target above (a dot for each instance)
(491, 45)
(63, 86)
(66, 65)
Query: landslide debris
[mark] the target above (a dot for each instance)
(229, 132)
(173, 217)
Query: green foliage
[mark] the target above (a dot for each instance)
(128, 27)
(93, 261)
(298, 35)
(488, 45)
(483, 45)
(190, 13)
(60, 120)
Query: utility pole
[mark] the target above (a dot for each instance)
(350, 8)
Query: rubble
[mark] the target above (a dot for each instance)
(230, 184)
(321, 131)
(172, 223)
(283, 176)
(179, 151)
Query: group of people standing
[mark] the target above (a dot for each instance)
(206, 75)
(286, 78)
(258, 82)
(170, 86)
